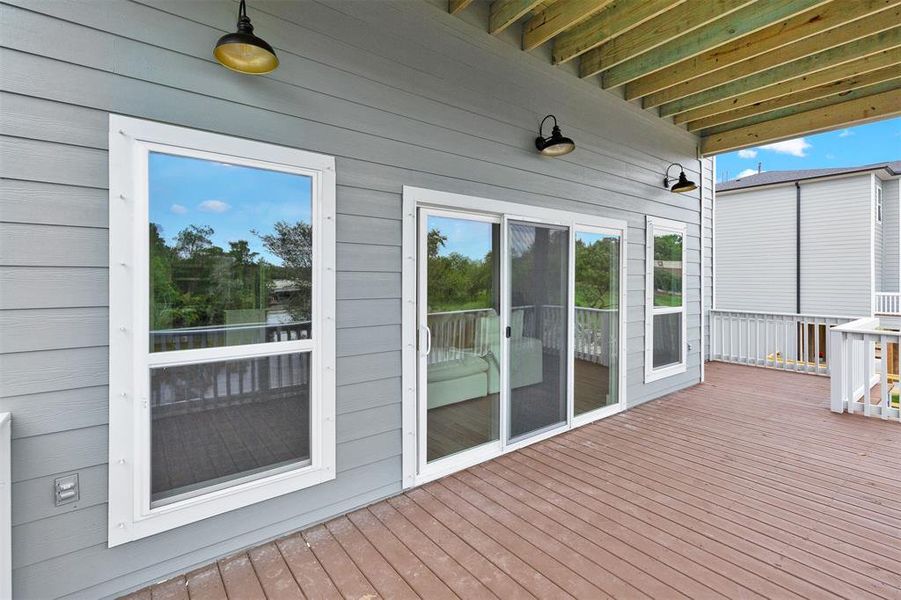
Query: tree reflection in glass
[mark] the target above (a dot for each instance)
(230, 254)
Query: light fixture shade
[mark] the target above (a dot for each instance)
(683, 184)
(244, 52)
(557, 144)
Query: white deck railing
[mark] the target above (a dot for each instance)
(774, 340)
(858, 369)
(457, 333)
(888, 303)
(6, 550)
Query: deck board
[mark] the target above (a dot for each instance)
(746, 486)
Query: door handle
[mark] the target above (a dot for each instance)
(428, 340)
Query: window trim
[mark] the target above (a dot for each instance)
(130, 141)
(879, 204)
(653, 226)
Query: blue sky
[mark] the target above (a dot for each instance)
(470, 238)
(231, 199)
(861, 145)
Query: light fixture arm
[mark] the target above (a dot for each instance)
(666, 177)
(541, 126)
(244, 25)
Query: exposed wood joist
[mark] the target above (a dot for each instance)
(616, 18)
(455, 6)
(737, 72)
(657, 31)
(823, 27)
(873, 62)
(853, 112)
(835, 88)
(736, 24)
(504, 13)
(794, 76)
(558, 17)
(870, 90)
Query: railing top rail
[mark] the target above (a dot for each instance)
(459, 312)
(888, 293)
(217, 328)
(867, 326)
(781, 314)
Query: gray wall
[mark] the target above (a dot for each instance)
(878, 242)
(836, 246)
(400, 93)
(891, 232)
(755, 249)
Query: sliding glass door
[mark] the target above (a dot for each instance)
(596, 343)
(518, 331)
(460, 308)
(537, 327)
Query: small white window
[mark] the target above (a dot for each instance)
(879, 205)
(222, 331)
(665, 326)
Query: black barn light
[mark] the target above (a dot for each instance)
(682, 185)
(556, 145)
(244, 52)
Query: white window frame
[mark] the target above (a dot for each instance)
(130, 513)
(415, 470)
(657, 225)
(879, 205)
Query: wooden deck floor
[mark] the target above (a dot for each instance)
(743, 487)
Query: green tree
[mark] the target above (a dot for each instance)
(293, 244)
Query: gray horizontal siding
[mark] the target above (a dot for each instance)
(401, 94)
(891, 265)
(836, 254)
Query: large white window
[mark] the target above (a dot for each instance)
(222, 324)
(665, 326)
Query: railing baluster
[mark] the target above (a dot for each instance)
(869, 354)
(883, 383)
(847, 362)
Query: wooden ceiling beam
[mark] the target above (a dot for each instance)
(556, 18)
(504, 13)
(878, 88)
(834, 88)
(742, 22)
(655, 32)
(846, 70)
(853, 112)
(812, 31)
(791, 77)
(455, 6)
(615, 19)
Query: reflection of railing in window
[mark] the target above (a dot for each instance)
(188, 338)
(213, 385)
(457, 333)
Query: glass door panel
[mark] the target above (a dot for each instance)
(462, 364)
(537, 327)
(596, 339)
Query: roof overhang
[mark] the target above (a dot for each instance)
(737, 73)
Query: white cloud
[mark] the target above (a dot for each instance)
(178, 209)
(214, 206)
(747, 153)
(746, 173)
(845, 133)
(796, 147)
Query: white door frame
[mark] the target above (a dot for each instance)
(415, 470)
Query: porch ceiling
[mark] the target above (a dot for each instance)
(736, 72)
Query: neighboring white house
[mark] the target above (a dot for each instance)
(819, 241)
